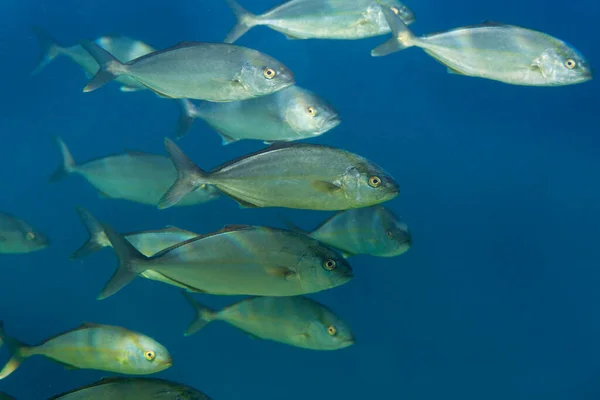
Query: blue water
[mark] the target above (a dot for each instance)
(497, 299)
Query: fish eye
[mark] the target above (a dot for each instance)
(329, 265)
(570, 63)
(269, 73)
(390, 234)
(331, 330)
(149, 355)
(312, 111)
(375, 181)
(30, 235)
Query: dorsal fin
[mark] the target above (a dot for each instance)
(234, 227)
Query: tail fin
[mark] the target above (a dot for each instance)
(204, 315)
(189, 176)
(402, 37)
(291, 226)
(131, 263)
(110, 67)
(188, 115)
(48, 46)
(97, 240)
(68, 164)
(18, 352)
(245, 21)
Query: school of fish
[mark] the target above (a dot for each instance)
(244, 94)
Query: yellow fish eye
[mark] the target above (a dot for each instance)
(329, 265)
(149, 355)
(570, 63)
(331, 330)
(375, 181)
(312, 111)
(269, 73)
(30, 235)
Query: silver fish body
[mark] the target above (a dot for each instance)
(292, 175)
(195, 70)
(18, 237)
(321, 19)
(374, 231)
(504, 53)
(120, 388)
(295, 320)
(287, 115)
(237, 260)
(133, 176)
(94, 346)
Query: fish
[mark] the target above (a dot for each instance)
(290, 114)
(236, 260)
(18, 237)
(127, 388)
(195, 70)
(134, 176)
(93, 346)
(148, 242)
(289, 175)
(296, 320)
(320, 19)
(495, 51)
(123, 47)
(373, 231)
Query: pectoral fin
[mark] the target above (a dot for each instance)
(281, 272)
(325, 187)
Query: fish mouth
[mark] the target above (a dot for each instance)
(166, 363)
(330, 123)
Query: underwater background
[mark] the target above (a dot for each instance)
(498, 296)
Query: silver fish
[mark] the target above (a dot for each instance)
(148, 243)
(374, 231)
(17, 236)
(320, 19)
(119, 388)
(289, 114)
(505, 53)
(122, 47)
(93, 346)
(295, 320)
(291, 175)
(194, 70)
(133, 176)
(238, 260)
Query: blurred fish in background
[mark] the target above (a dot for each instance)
(17, 236)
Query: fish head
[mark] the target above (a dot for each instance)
(366, 184)
(398, 8)
(327, 331)
(146, 355)
(261, 75)
(393, 234)
(562, 64)
(309, 114)
(323, 268)
(33, 240)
